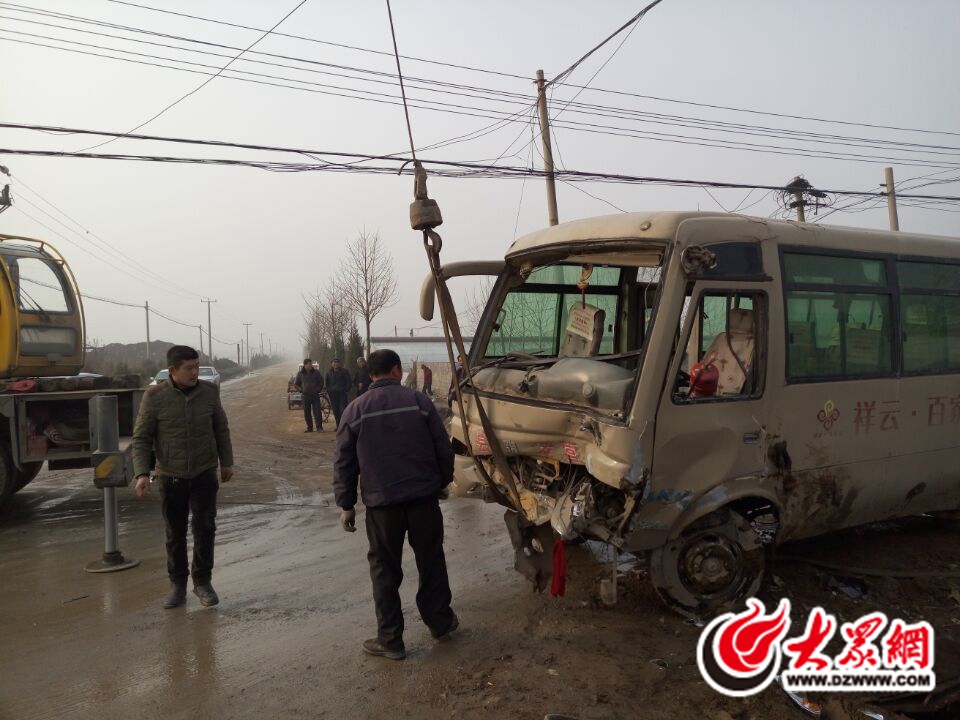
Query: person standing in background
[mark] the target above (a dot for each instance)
(310, 384)
(361, 380)
(427, 380)
(338, 383)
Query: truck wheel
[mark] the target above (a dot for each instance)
(25, 475)
(8, 479)
(715, 564)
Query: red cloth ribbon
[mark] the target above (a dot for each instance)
(558, 585)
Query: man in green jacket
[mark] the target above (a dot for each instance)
(182, 423)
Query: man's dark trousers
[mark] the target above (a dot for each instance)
(180, 498)
(312, 402)
(386, 527)
(338, 401)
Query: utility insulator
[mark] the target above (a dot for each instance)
(424, 212)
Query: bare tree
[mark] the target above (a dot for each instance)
(368, 279)
(328, 322)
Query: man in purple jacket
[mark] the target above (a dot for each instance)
(393, 438)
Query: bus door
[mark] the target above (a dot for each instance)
(710, 422)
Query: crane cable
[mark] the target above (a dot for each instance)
(425, 216)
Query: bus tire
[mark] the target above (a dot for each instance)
(25, 475)
(713, 566)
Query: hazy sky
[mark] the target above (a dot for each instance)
(256, 240)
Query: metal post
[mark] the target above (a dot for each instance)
(105, 438)
(547, 150)
(891, 199)
(209, 329)
(146, 307)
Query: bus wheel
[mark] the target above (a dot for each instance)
(25, 475)
(714, 565)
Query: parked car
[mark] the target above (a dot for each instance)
(160, 377)
(210, 374)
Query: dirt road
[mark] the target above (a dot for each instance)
(295, 591)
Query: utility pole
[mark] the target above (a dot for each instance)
(201, 339)
(547, 150)
(146, 307)
(891, 199)
(209, 329)
(238, 353)
(247, 326)
(261, 343)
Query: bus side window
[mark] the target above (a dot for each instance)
(723, 349)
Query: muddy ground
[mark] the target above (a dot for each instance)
(284, 641)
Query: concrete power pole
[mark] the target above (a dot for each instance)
(799, 204)
(261, 343)
(247, 326)
(238, 354)
(891, 199)
(146, 307)
(201, 339)
(547, 150)
(209, 329)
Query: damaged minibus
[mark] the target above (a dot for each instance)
(698, 387)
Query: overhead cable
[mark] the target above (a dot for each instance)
(208, 80)
(442, 169)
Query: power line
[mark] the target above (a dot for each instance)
(489, 71)
(323, 42)
(104, 245)
(471, 91)
(580, 126)
(444, 168)
(388, 79)
(632, 21)
(208, 80)
(638, 116)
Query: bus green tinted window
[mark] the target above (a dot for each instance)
(829, 270)
(929, 276)
(570, 275)
(835, 334)
(527, 324)
(931, 332)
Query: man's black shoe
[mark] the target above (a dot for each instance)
(176, 597)
(206, 593)
(310, 430)
(373, 647)
(445, 635)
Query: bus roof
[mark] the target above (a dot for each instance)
(663, 226)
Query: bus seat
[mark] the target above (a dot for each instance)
(584, 331)
(737, 343)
